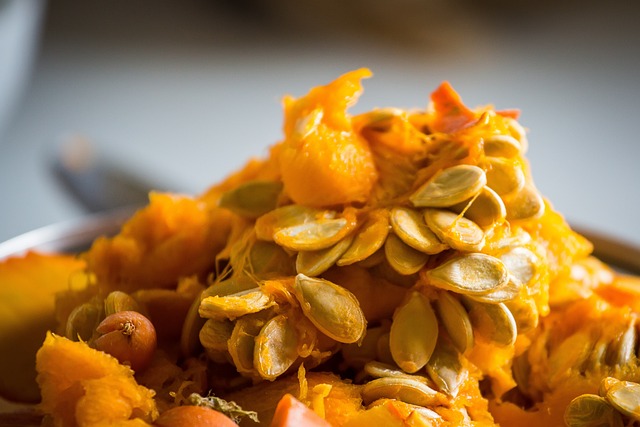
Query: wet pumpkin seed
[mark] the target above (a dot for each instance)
(508, 292)
(403, 258)
(414, 333)
(493, 322)
(525, 204)
(521, 263)
(83, 320)
(409, 225)
(455, 320)
(404, 389)
(590, 410)
(377, 369)
(525, 313)
(454, 230)
(331, 308)
(368, 239)
(275, 347)
(486, 209)
(621, 350)
(214, 337)
(267, 257)
(314, 263)
(625, 397)
(445, 368)
(236, 305)
(469, 274)
(288, 216)
(504, 177)
(450, 186)
(241, 344)
(314, 235)
(501, 146)
(252, 199)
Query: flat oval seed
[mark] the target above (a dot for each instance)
(521, 263)
(331, 308)
(606, 384)
(456, 231)
(625, 397)
(314, 235)
(402, 257)
(455, 320)
(494, 322)
(486, 210)
(501, 146)
(234, 306)
(445, 368)
(314, 263)
(214, 336)
(383, 370)
(450, 186)
(369, 238)
(252, 199)
(241, 345)
(525, 204)
(469, 274)
(414, 333)
(519, 133)
(409, 226)
(589, 410)
(404, 389)
(525, 313)
(287, 216)
(621, 351)
(508, 292)
(275, 348)
(504, 177)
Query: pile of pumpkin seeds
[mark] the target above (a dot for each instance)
(617, 404)
(439, 243)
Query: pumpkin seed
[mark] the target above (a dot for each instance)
(83, 320)
(445, 368)
(486, 210)
(573, 353)
(625, 397)
(314, 235)
(454, 230)
(357, 355)
(236, 305)
(450, 186)
(501, 146)
(525, 204)
(275, 348)
(267, 257)
(589, 410)
(605, 384)
(402, 257)
(469, 274)
(235, 284)
(383, 349)
(214, 337)
(377, 369)
(288, 216)
(519, 133)
(408, 224)
(521, 263)
(493, 322)
(241, 344)
(410, 350)
(508, 292)
(404, 389)
(369, 238)
(525, 313)
(503, 176)
(622, 350)
(118, 301)
(455, 320)
(314, 263)
(252, 199)
(331, 308)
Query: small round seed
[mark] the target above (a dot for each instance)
(450, 186)
(403, 258)
(408, 224)
(410, 350)
(454, 230)
(469, 274)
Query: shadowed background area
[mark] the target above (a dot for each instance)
(179, 94)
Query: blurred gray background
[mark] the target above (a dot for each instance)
(182, 93)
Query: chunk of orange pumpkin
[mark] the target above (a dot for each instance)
(81, 386)
(28, 286)
(323, 161)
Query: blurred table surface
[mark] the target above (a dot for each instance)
(183, 93)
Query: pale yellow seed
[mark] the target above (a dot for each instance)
(368, 239)
(455, 320)
(252, 199)
(450, 186)
(504, 176)
(524, 205)
(275, 348)
(409, 225)
(314, 263)
(454, 230)
(501, 146)
(486, 210)
(404, 389)
(469, 274)
(403, 258)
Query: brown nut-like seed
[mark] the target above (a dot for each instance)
(129, 337)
